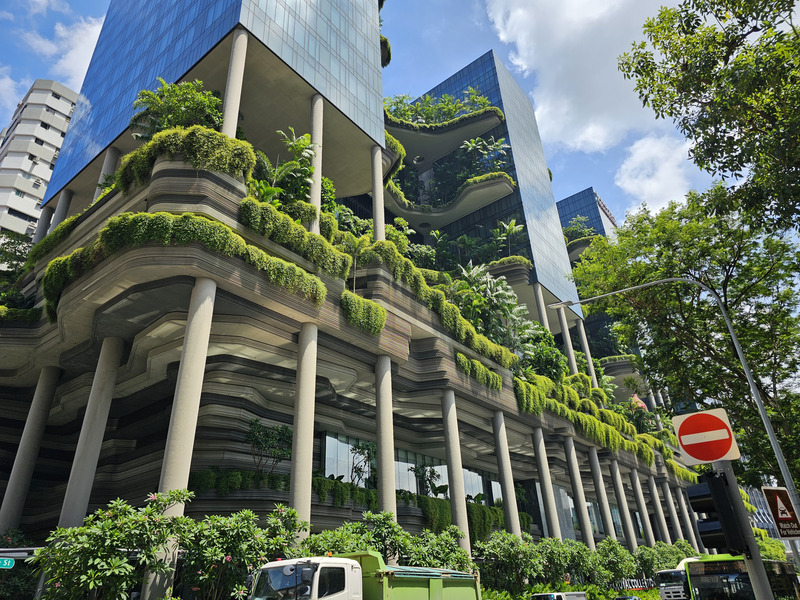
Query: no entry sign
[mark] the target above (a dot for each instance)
(705, 437)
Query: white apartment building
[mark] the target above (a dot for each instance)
(29, 148)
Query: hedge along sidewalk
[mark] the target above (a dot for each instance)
(132, 230)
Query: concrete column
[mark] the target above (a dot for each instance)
(693, 518)
(659, 398)
(541, 307)
(378, 222)
(109, 167)
(685, 518)
(387, 496)
(624, 511)
(602, 498)
(455, 472)
(641, 506)
(84, 465)
(546, 484)
(44, 222)
(28, 450)
(316, 162)
(658, 510)
(61, 210)
(562, 320)
(186, 403)
(304, 407)
(673, 513)
(506, 474)
(233, 85)
(587, 352)
(577, 491)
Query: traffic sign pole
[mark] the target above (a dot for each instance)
(754, 562)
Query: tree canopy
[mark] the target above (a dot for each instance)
(728, 74)
(680, 329)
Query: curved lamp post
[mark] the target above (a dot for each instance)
(762, 411)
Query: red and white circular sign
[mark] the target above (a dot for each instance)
(705, 437)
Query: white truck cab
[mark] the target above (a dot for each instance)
(334, 578)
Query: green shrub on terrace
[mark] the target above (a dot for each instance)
(480, 179)
(202, 147)
(363, 313)
(589, 407)
(49, 243)
(680, 472)
(266, 220)
(479, 372)
(655, 443)
(24, 315)
(436, 512)
(133, 230)
(666, 436)
(434, 277)
(617, 421)
(581, 383)
(305, 212)
(631, 358)
(403, 270)
(395, 146)
(511, 260)
(446, 125)
(599, 397)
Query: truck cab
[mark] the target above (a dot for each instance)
(309, 579)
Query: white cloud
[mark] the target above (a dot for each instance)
(72, 46)
(656, 171)
(582, 101)
(11, 92)
(37, 7)
(6, 16)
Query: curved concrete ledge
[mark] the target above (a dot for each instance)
(472, 198)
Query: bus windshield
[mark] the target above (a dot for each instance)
(720, 580)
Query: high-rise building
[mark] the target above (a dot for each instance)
(170, 330)
(587, 203)
(29, 148)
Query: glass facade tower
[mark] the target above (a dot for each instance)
(533, 196)
(587, 203)
(332, 45)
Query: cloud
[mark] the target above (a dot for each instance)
(40, 7)
(72, 46)
(656, 171)
(6, 16)
(582, 102)
(11, 92)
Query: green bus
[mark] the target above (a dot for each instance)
(723, 577)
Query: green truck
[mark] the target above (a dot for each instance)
(359, 576)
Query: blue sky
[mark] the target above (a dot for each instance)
(562, 52)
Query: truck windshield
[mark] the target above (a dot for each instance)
(280, 583)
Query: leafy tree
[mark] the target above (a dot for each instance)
(14, 248)
(364, 462)
(610, 563)
(728, 74)
(20, 582)
(348, 537)
(269, 445)
(507, 562)
(564, 557)
(94, 561)
(661, 556)
(440, 550)
(174, 105)
(578, 228)
(511, 230)
(770, 548)
(680, 329)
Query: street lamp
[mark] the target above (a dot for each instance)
(762, 411)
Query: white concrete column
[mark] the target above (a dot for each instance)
(641, 506)
(233, 86)
(658, 510)
(87, 452)
(109, 167)
(685, 518)
(455, 471)
(506, 474)
(624, 510)
(577, 491)
(562, 320)
(304, 407)
(378, 221)
(587, 352)
(693, 520)
(600, 490)
(546, 484)
(317, 105)
(541, 307)
(28, 450)
(188, 389)
(387, 495)
(61, 210)
(659, 398)
(673, 513)
(43, 225)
